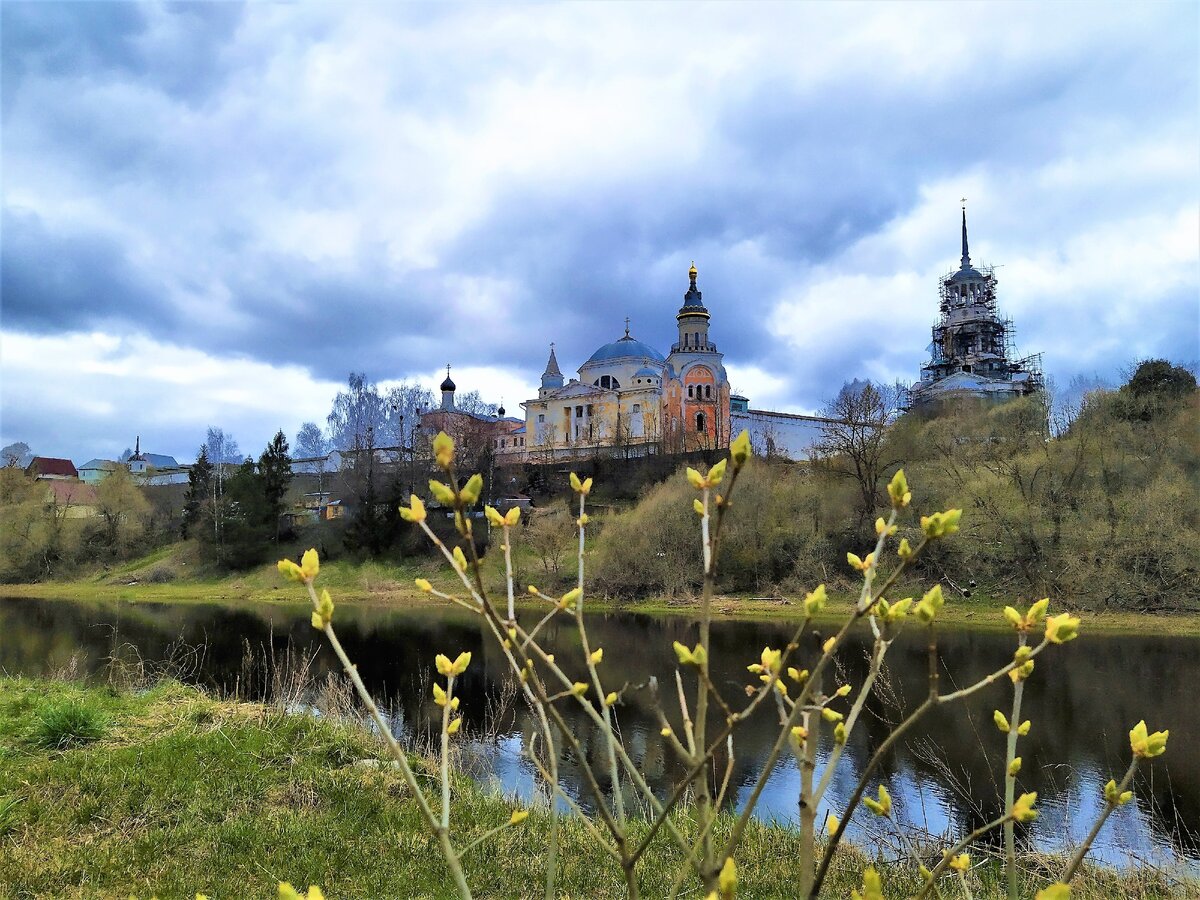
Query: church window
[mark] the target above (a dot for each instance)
(589, 409)
(637, 407)
(708, 392)
(700, 422)
(541, 417)
(691, 392)
(579, 411)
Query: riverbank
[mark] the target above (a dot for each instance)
(169, 791)
(380, 584)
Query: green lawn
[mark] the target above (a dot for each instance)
(170, 792)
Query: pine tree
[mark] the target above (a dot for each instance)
(198, 487)
(275, 470)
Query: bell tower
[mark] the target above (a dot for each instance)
(693, 319)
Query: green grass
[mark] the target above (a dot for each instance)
(184, 793)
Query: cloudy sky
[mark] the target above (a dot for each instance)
(213, 212)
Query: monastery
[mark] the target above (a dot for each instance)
(632, 400)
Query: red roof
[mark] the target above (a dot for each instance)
(49, 465)
(72, 493)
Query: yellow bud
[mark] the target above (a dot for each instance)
(444, 666)
(927, 609)
(583, 520)
(1062, 628)
(570, 597)
(739, 450)
(597, 655)
(415, 511)
(903, 550)
(1023, 810)
(441, 492)
(1023, 728)
(699, 655)
(716, 474)
(610, 699)
(518, 816)
(587, 487)
(1001, 721)
(831, 715)
(443, 450)
(1147, 745)
(698, 506)
(942, 524)
(665, 732)
(770, 659)
(797, 675)
(318, 622)
(855, 561)
(579, 688)
(683, 654)
(494, 518)
(310, 565)
(1013, 617)
(513, 516)
(1037, 613)
(829, 644)
(460, 559)
(1014, 767)
(453, 727)
(800, 733)
(471, 490)
(461, 663)
(839, 733)
(814, 602)
(454, 702)
(695, 479)
(832, 822)
(1056, 891)
(727, 880)
(439, 694)
(290, 570)
(424, 585)
(898, 490)
(961, 863)
(842, 691)
(882, 806)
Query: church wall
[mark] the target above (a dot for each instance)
(779, 434)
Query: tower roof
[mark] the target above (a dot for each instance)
(448, 385)
(693, 302)
(552, 369)
(966, 271)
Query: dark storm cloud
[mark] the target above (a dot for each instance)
(180, 55)
(54, 282)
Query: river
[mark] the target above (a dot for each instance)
(1083, 698)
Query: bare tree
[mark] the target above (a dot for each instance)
(852, 442)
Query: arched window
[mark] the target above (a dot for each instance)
(700, 422)
(708, 392)
(691, 392)
(607, 382)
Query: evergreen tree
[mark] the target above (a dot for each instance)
(199, 479)
(275, 470)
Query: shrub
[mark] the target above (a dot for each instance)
(62, 724)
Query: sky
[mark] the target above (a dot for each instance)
(212, 213)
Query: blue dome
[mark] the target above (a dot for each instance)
(647, 372)
(624, 348)
(966, 273)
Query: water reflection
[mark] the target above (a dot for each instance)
(1082, 701)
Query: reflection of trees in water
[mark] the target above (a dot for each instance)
(1082, 699)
